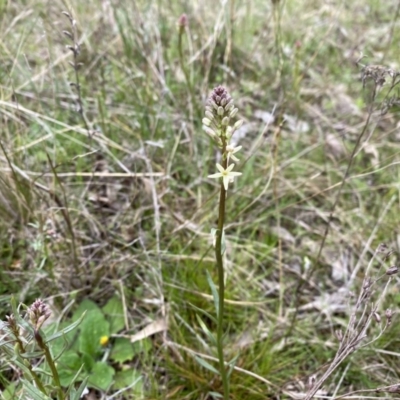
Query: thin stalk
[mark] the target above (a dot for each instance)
(219, 111)
(182, 30)
(221, 285)
(50, 361)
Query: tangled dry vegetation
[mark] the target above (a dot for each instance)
(104, 189)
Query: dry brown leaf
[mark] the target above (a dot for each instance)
(157, 326)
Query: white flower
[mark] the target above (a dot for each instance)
(230, 150)
(227, 175)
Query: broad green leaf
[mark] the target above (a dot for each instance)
(86, 305)
(142, 346)
(122, 350)
(92, 329)
(101, 376)
(129, 379)
(68, 365)
(114, 311)
(88, 362)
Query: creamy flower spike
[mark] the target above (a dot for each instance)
(220, 110)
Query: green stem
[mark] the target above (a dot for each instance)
(50, 361)
(221, 288)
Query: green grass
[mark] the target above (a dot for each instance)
(123, 205)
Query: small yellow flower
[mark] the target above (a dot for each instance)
(104, 340)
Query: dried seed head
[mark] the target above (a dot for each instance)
(383, 248)
(389, 315)
(68, 34)
(38, 313)
(68, 16)
(392, 270)
(377, 73)
(377, 317)
(311, 381)
(367, 283)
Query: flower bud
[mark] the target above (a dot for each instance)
(229, 132)
(182, 23)
(392, 270)
(238, 124)
(206, 121)
(210, 132)
(233, 112)
(229, 105)
(183, 20)
(209, 114)
(225, 121)
(38, 313)
(377, 317)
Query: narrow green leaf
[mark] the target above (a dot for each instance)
(33, 391)
(208, 315)
(64, 331)
(206, 330)
(206, 365)
(232, 364)
(214, 292)
(71, 388)
(77, 395)
(215, 394)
